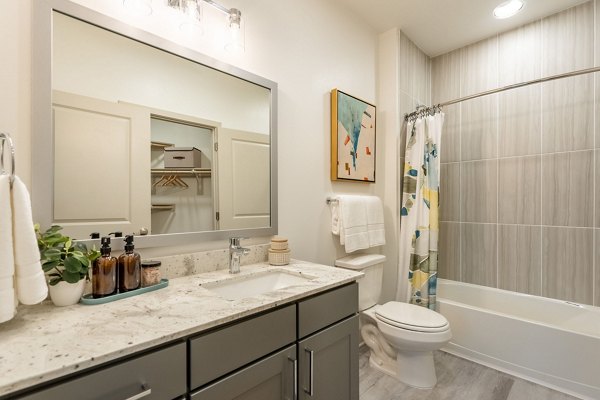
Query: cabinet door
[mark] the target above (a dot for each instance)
(328, 363)
(273, 378)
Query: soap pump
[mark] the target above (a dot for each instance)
(129, 267)
(104, 271)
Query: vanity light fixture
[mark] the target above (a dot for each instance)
(190, 12)
(191, 15)
(508, 8)
(138, 7)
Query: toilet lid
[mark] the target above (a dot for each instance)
(411, 317)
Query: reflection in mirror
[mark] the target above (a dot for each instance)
(154, 141)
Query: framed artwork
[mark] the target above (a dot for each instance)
(352, 138)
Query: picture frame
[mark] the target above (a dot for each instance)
(353, 134)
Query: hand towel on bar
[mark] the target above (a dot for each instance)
(353, 230)
(336, 220)
(8, 304)
(375, 226)
(30, 280)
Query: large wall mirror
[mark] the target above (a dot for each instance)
(137, 134)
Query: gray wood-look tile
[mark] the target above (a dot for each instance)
(445, 77)
(458, 379)
(567, 264)
(450, 146)
(479, 67)
(421, 86)
(449, 251)
(520, 54)
(478, 254)
(597, 187)
(520, 258)
(479, 128)
(568, 114)
(568, 40)
(519, 185)
(597, 267)
(567, 189)
(478, 186)
(519, 121)
(450, 192)
(406, 64)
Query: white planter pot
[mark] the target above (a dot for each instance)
(66, 294)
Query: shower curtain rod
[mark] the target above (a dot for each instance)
(501, 89)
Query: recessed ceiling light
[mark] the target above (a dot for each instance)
(508, 8)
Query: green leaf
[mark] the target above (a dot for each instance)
(51, 253)
(71, 277)
(81, 247)
(54, 281)
(68, 243)
(49, 265)
(72, 264)
(81, 258)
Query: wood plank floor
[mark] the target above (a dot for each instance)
(458, 379)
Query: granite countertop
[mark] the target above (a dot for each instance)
(44, 342)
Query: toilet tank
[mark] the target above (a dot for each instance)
(369, 286)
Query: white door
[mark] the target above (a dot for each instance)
(244, 183)
(101, 166)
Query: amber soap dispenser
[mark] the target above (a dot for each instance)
(129, 267)
(104, 272)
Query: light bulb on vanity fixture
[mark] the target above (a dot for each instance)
(235, 31)
(190, 14)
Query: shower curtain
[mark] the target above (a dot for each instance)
(419, 210)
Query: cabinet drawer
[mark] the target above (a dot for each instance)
(217, 353)
(270, 379)
(161, 374)
(327, 308)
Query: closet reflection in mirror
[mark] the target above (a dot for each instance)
(120, 106)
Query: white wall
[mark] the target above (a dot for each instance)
(308, 47)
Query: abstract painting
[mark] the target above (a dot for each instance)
(352, 138)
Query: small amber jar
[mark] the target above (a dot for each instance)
(150, 273)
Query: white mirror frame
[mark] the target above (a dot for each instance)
(42, 190)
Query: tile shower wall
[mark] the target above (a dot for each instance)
(520, 172)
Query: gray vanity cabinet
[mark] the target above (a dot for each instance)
(328, 345)
(328, 363)
(273, 378)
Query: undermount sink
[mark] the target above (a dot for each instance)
(244, 286)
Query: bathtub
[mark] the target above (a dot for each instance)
(550, 342)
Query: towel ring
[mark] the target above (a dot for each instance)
(5, 137)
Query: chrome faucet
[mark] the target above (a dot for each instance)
(236, 251)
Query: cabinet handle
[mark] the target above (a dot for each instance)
(146, 392)
(295, 366)
(311, 355)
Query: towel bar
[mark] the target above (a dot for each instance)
(5, 137)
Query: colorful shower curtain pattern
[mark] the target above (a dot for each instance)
(419, 212)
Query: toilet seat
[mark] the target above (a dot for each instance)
(411, 317)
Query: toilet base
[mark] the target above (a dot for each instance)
(416, 369)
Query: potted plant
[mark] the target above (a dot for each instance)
(65, 263)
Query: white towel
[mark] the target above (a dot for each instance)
(30, 280)
(8, 304)
(336, 220)
(375, 225)
(353, 230)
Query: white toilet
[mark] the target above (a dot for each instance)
(401, 336)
